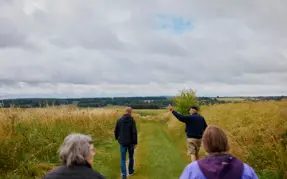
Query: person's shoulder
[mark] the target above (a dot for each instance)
(90, 173)
(248, 172)
(54, 172)
(192, 170)
(193, 166)
(120, 118)
(201, 116)
(96, 175)
(197, 116)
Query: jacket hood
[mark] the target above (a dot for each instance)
(127, 118)
(221, 167)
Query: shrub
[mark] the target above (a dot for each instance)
(184, 100)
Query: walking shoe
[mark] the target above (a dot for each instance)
(130, 174)
(124, 177)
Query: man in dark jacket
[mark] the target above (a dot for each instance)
(195, 127)
(126, 134)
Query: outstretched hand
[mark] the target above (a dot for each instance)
(170, 108)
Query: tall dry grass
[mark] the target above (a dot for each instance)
(29, 138)
(257, 133)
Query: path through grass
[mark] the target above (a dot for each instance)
(155, 158)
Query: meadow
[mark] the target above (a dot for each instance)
(230, 99)
(29, 139)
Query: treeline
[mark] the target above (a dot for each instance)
(135, 102)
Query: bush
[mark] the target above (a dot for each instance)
(184, 100)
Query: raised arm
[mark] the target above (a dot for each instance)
(180, 117)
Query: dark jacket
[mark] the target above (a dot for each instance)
(126, 130)
(79, 171)
(195, 124)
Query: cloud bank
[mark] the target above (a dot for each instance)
(71, 48)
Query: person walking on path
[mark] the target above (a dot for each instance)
(218, 163)
(126, 135)
(195, 126)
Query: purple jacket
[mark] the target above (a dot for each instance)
(218, 167)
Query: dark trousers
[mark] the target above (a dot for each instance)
(124, 149)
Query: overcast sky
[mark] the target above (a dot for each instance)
(92, 48)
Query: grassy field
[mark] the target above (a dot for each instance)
(29, 139)
(231, 99)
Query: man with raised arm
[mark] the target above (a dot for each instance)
(195, 127)
(126, 134)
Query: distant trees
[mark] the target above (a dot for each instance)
(182, 101)
(136, 102)
(145, 106)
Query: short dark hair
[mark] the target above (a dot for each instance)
(193, 107)
(215, 140)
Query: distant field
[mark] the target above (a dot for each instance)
(141, 112)
(231, 99)
(29, 139)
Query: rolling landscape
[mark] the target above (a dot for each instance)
(30, 137)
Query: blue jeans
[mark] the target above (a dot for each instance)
(124, 149)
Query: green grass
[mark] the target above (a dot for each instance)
(157, 154)
(107, 159)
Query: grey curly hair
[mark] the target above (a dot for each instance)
(75, 149)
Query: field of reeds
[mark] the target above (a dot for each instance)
(257, 134)
(29, 139)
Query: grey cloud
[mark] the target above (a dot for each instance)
(164, 46)
(100, 39)
(17, 83)
(10, 36)
(234, 44)
(5, 2)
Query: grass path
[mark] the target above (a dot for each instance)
(156, 155)
(155, 158)
(107, 159)
(159, 155)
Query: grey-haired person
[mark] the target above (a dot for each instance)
(195, 127)
(77, 156)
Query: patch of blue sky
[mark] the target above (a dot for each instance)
(176, 24)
